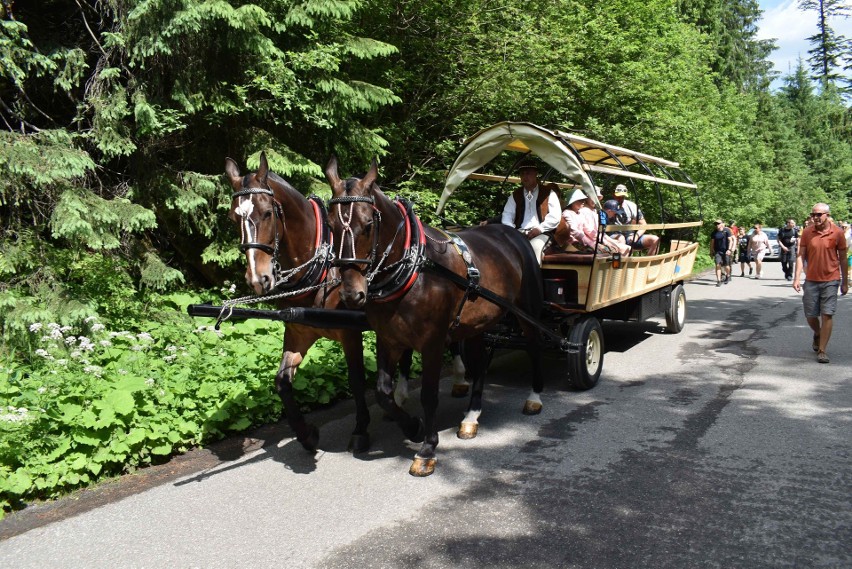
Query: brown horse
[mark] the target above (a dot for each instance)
(421, 289)
(286, 244)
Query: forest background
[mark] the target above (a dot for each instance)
(118, 115)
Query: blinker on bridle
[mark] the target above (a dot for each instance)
(339, 259)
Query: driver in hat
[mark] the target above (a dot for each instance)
(533, 208)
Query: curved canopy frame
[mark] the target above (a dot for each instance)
(575, 157)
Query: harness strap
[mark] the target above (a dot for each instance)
(472, 286)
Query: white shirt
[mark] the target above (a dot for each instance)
(530, 218)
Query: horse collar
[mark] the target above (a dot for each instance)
(404, 272)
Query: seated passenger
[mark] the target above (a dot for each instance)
(610, 245)
(628, 213)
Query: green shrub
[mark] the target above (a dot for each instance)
(86, 402)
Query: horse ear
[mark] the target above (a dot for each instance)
(233, 172)
(331, 174)
(263, 169)
(371, 175)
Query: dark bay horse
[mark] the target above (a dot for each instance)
(286, 244)
(415, 281)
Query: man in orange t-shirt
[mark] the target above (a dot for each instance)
(823, 245)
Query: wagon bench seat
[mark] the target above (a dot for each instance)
(564, 258)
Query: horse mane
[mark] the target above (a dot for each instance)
(282, 182)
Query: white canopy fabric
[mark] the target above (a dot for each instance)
(488, 143)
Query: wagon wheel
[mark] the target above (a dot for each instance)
(676, 312)
(585, 365)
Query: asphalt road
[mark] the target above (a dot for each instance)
(724, 446)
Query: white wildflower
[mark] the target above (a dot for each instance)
(145, 336)
(171, 348)
(42, 390)
(62, 361)
(54, 326)
(137, 347)
(122, 371)
(56, 334)
(169, 358)
(65, 329)
(98, 327)
(232, 289)
(42, 353)
(105, 343)
(76, 354)
(94, 370)
(15, 415)
(35, 326)
(70, 340)
(90, 319)
(149, 381)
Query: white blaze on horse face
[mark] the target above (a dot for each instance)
(247, 235)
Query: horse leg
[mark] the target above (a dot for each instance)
(400, 394)
(474, 350)
(297, 341)
(353, 350)
(386, 360)
(425, 459)
(532, 406)
(460, 384)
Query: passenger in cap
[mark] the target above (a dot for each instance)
(621, 211)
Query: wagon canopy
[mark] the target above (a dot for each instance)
(573, 156)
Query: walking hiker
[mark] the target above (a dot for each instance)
(721, 242)
(788, 238)
(823, 246)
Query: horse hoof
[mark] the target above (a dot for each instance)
(359, 443)
(467, 430)
(532, 408)
(422, 466)
(310, 441)
(417, 433)
(459, 390)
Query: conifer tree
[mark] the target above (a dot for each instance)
(117, 116)
(830, 50)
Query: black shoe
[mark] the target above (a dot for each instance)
(718, 283)
(750, 271)
(789, 277)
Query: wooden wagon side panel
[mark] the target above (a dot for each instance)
(637, 276)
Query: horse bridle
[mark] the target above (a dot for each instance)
(315, 266)
(339, 259)
(403, 272)
(279, 216)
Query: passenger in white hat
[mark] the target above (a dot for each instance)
(583, 224)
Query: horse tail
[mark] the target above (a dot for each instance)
(532, 292)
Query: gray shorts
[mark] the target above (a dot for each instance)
(722, 259)
(820, 298)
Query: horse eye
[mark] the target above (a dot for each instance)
(267, 215)
(368, 227)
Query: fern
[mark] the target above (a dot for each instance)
(158, 275)
(87, 220)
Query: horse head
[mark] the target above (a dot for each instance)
(261, 221)
(353, 218)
